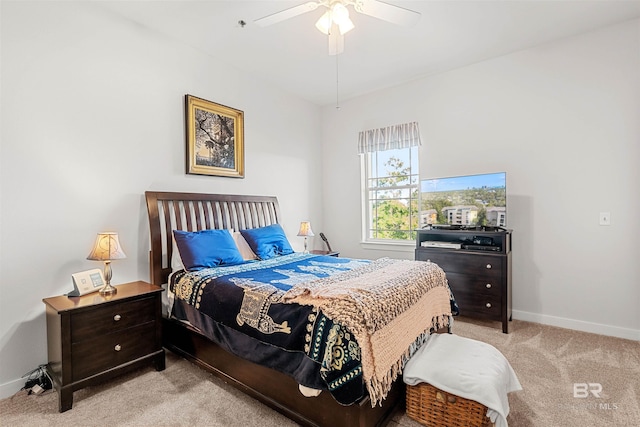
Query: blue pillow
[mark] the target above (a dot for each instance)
(206, 249)
(267, 242)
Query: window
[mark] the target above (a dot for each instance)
(390, 183)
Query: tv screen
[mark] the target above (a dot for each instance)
(471, 200)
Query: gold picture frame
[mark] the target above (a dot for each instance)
(215, 138)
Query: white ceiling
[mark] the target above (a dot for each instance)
(293, 54)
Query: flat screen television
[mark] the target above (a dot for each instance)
(464, 201)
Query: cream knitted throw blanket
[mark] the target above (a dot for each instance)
(389, 305)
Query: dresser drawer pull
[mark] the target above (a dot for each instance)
(118, 347)
(488, 285)
(488, 266)
(488, 305)
(117, 317)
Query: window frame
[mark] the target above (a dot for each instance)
(367, 161)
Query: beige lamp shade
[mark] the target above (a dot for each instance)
(107, 247)
(305, 229)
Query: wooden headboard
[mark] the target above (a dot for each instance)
(198, 211)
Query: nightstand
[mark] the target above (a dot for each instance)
(327, 253)
(92, 338)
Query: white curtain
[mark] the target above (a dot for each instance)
(392, 137)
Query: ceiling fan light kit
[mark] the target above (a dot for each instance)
(324, 23)
(337, 15)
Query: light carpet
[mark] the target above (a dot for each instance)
(547, 360)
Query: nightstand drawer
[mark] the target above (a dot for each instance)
(111, 318)
(103, 352)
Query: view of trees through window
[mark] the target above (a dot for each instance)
(392, 194)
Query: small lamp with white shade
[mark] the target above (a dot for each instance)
(306, 231)
(107, 248)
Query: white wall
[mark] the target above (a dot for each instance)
(93, 116)
(563, 121)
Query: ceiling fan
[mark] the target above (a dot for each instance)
(335, 22)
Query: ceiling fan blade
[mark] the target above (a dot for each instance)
(336, 42)
(287, 13)
(388, 12)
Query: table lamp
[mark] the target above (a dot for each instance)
(306, 231)
(107, 248)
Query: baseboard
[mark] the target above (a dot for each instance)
(10, 388)
(578, 325)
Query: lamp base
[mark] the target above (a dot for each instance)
(108, 290)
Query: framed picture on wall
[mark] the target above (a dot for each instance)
(215, 138)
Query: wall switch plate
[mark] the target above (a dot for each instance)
(605, 218)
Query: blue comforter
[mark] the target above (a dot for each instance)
(240, 308)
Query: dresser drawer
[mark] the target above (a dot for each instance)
(459, 262)
(478, 305)
(469, 283)
(103, 352)
(111, 318)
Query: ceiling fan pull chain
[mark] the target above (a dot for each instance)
(337, 85)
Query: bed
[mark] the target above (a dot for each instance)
(236, 348)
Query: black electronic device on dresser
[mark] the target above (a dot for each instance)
(477, 262)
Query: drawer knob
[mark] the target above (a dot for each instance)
(488, 305)
(118, 347)
(489, 266)
(488, 285)
(117, 317)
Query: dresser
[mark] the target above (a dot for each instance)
(477, 263)
(93, 338)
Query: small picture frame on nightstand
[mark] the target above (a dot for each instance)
(86, 282)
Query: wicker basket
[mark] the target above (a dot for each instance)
(435, 408)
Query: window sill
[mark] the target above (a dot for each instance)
(409, 246)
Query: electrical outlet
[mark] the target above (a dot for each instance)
(605, 218)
